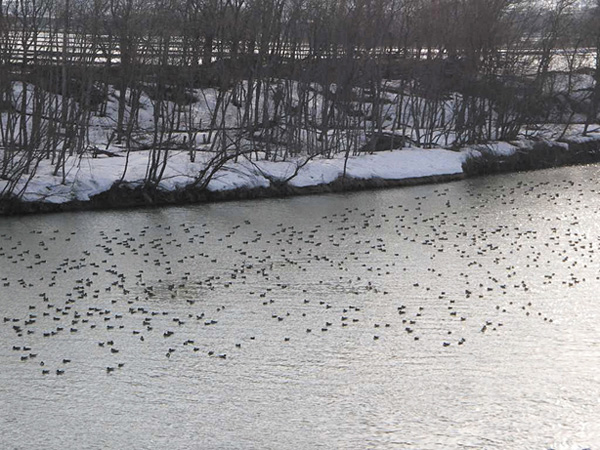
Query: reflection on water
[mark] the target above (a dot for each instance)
(449, 316)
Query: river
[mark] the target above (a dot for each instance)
(459, 315)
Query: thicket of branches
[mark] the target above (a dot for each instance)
(278, 78)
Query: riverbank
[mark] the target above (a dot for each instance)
(95, 183)
(124, 196)
(534, 155)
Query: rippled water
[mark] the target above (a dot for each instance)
(462, 315)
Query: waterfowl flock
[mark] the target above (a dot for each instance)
(437, 266)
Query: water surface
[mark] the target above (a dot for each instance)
(452, 316)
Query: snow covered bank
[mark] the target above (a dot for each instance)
(98, 183)
(532, 155)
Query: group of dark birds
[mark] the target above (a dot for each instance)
(413, 270)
